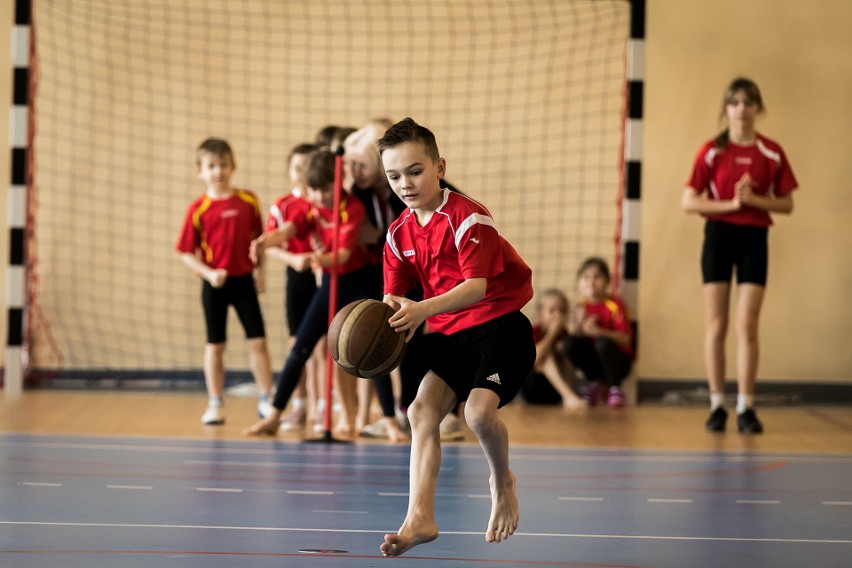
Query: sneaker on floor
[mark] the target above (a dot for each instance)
(451, 430)
(615, 397)
(377, 429)
(593, 393)
(294, 420)
(716, 420)
(264, 406)
(747, 422)
(214, 415)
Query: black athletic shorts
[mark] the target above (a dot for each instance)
(238, 291)
(727, 246)
(497, 355)
(300, 288)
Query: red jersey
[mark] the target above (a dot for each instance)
(351, 216)
(611, 314)
(459, 242)
(223, 230)
(717, 170)
(293, 208)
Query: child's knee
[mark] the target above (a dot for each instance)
(423, 414)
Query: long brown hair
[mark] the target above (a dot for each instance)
(749, 88)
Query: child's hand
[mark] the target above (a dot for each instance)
(259, 282)
(408, 317)
(590, 327)
(301, 262)
(256, 249)
(743, 192)
(217, 277)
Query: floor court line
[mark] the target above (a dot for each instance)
(695, 538)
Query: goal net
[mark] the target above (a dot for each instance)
(526, 99)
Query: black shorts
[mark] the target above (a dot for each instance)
(238, 291)
(497, 355)
(727, 246)
(300, 288)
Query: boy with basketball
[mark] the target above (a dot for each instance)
(467, 335)
(214, 243)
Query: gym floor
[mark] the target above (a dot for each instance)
(131, 479)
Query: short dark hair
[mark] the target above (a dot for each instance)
(299, 149)
(319, 172)
(595, 261)
(217, 147)
(406, 130)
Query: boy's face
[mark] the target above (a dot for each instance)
(593, 283)
(216, 171)
(322, 197)
(413, 176)
(297, 168)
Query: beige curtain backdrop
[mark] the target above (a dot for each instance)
(798, 52)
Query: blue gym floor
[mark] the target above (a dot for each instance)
(131, 502)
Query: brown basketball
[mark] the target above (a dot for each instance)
(361, 340)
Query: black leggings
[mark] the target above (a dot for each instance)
(599, 358)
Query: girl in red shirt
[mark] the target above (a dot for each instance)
(737, 180)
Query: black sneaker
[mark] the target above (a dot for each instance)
(716, 421)
(747, 422)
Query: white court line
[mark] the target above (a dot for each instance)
(39, 484)
(669, 500)
(758, 502)
(392, 494)
(132, 487)
(581, 498)
(840, 503)
(304, 492)
(477, 496)
(340, 512)
(292, 464)
(459, 533)
(218, 490)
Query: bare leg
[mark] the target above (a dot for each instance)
(716, 296)
(214, 369)
(480, 411)
(261, 369)
(556, 376)
(347, 389)
(365, 401)
(749, 302)
(434, 400)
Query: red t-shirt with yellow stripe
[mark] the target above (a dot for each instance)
(223, 229)
(611, 313)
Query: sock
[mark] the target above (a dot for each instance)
(717, 400)
(298, 403)
(744, 402)
(217, 400)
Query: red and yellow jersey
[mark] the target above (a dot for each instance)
(715, 171)
(459, 242)
(223, 229)
(351, 216)
(611, 313)
(295, 209)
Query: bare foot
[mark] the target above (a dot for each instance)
(394, 433)
(408, 537)
(504, 512)
(573, 403)
(266, 427)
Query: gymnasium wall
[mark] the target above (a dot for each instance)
(798, 53)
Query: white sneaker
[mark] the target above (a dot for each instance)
(451, 429)
(264, 406)
(377, 429)
(214, 415)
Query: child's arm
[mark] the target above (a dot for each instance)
(216, 276)
(591, 328)
(544, 347)
(271, 239)
(300, 262)
(411, 314)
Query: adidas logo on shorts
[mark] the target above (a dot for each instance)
(495, 378)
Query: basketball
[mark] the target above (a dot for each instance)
(361, 340)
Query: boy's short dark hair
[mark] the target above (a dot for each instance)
(299, 149)
(406, 130)
(319, 172)
(595, 261)
(215, 146)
